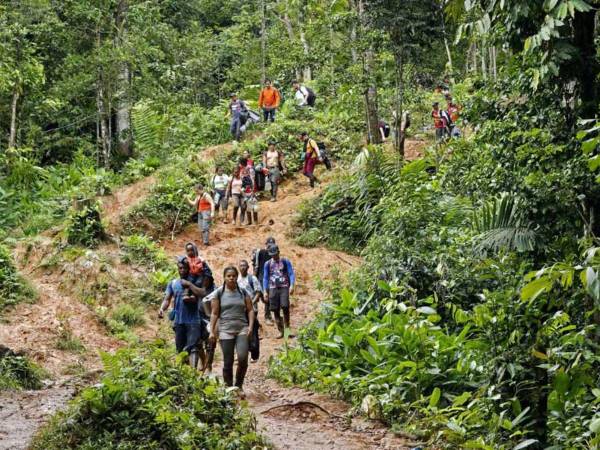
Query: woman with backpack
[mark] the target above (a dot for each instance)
(232, 311)
(311, 157)
(205, 207)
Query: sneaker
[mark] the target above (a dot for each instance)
(273, 199)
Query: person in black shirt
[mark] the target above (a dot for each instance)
(259, 257)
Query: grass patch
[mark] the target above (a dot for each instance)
(18, 372)
(13, 288)
(128, 315)
(148, 398)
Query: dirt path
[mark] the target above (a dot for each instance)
(301, 427)
(36, 328)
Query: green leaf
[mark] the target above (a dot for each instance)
(561, 382)
(461, 399)
(525, 444)
(435, 397)
(595, 426)
(534, 288)
(426, 310)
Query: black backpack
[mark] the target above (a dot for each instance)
(324, 156)
(311, 98)
(386, 130)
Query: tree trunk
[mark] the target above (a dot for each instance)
(12, 139)
(446, 45)
(373, 134)
(123, 116)
(584, 28)
(483, 64)
(306, 71)
(398, 129)
(290, 31)
(102, 118)
(263, 42)
(353, 51)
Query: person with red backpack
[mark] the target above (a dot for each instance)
(441, 122)
(311, 157)
(279, 281)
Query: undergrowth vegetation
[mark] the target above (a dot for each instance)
(18, 372)
(150, 398)
(13, 288)
(474, 321)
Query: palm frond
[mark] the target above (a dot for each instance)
(500, 224)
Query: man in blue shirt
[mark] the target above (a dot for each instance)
(278, 284)
(185, 313)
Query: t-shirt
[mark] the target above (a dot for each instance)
(278, 274)
(236, 107)
(261, 256)
(233, 318)
(251, 285)
(236, 186)
(220, 182)
(272, 158)
(185, 312)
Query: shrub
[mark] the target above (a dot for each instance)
(84, 226)
(128, 315)
(13, 289)
(143, 251)
(150, 399)
(18, 372)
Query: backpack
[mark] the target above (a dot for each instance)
(311, 98)
(323, 156)
(386, 130)
(284, 270)
(244, 113)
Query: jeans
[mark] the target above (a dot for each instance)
(204, 224)
(187, 336)
(239, 345)
(274, 177)
(269, 114)
(235, 128)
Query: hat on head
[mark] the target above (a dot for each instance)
(436, 103)
(233, 94)
(273, 250)
(270, 240)
(271, 142)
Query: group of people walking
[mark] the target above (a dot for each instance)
(241, 189)
(269, 101)
(204, 314)
(444, 120)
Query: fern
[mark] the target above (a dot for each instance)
(500, 224)
(148, 128)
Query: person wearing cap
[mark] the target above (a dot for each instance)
(268, 100)
(185, 315)
(259, 257)
(274, 161)
(278, 284)
(238, 112)
(440, 122)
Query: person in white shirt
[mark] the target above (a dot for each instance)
(303, 95)
(250, 283)
(219, 183)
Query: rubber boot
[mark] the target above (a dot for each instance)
(194, 359)
(280, 327)
(255, 214)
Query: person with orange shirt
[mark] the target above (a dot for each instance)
(269, 100)
(205, 206)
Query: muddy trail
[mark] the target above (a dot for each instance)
(291, 418)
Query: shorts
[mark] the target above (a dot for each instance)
(279, 298)
(237, 200)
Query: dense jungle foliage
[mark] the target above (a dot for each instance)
(474, 320)
(156, 401)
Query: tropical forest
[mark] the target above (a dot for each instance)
(299, 224)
